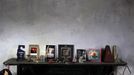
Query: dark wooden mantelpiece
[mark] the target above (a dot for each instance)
(44, 68)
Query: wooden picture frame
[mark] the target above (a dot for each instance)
(94, 55)
(66, 52)
(50, 51)
(34, 50)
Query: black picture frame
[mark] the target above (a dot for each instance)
(65, 51)
(50, 51)
(81, 53)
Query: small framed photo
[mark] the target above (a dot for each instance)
(94, 55)
(34, 50)
(81, 55)
(50, 51)
(66, 52)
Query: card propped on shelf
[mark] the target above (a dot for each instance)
(94, 55)
(34, 52)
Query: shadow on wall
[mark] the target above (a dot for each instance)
(129, 2)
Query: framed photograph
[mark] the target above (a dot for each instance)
(94, 55)
(66, 52)
(34, 50)
(81, 55)
(50, 51)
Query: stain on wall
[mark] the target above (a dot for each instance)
(84, 23)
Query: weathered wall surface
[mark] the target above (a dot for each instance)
(84, 23)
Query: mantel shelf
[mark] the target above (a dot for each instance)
(44, 68)
(13, 61)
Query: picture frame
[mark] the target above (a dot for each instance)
(34, 51)
(66, 52)
(94, 55)
(50, 51)
(81, 55)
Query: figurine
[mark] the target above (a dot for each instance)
(20, 53)
(81, 59)
(74, 60)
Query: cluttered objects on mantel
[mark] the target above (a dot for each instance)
(66, 54)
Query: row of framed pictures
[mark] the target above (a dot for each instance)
(66, 52)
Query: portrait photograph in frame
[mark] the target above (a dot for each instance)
(94, 55)
(50, 51)
(81, 55)
(34, 51)
(65, 51)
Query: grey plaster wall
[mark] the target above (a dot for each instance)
(84, 23)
